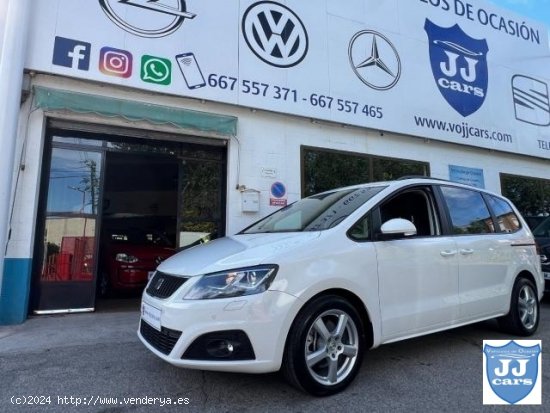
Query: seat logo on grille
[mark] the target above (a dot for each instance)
(159, 284)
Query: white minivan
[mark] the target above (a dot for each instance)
(309, 288)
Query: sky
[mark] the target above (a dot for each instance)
(533, 9)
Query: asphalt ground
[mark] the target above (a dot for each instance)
(95, 363)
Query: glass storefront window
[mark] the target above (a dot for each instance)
(201, 205)
(530, 195)
(71, 216)
(324, 169)
(77, 141)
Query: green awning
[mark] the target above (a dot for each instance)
(54, 99)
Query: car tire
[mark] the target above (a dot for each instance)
(325, 346)
(524, 315)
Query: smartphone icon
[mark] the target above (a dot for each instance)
(191, 70)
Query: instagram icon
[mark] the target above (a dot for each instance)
(115, 62)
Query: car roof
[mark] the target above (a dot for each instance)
(413, 180)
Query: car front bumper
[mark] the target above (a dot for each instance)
(265, 319)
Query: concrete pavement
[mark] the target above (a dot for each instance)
(95, 363)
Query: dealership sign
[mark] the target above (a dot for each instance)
(447, 70)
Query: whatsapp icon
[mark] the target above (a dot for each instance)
(156, 70)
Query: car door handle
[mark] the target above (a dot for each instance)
(448, 253)
(468, 251)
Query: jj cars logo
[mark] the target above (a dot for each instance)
(511, 372)
(71, 53)
(115, 62)
(275, 34)
(147, 18)
(459, 65)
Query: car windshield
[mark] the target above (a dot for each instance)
(543, 229)
(315, 213)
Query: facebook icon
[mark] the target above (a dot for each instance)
(71, 53)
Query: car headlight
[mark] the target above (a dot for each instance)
(126, 258)
(233, 283)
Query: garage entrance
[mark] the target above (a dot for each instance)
(113, 206)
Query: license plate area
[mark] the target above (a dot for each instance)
(151, 315)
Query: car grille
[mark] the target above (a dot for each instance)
(164, 285)
(164, 340)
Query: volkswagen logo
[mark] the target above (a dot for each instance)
(374, 60)
(147, 18)
(275, 34)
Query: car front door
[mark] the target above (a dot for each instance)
(418, 275)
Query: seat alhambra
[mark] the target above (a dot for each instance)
(309, 288)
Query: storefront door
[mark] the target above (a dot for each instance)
(67, 277)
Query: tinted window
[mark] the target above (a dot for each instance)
(543, 230)
(469, 213)
(361, 230)
(506, 218)
(531, 196)
(315, 213)
(324, 169)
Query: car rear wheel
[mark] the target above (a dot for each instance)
(523, 318)
(325, 347)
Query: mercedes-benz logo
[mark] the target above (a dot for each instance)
(275, 34)
(374, 60)
(147, 18)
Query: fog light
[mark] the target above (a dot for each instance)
(219, 348)
(226, 345)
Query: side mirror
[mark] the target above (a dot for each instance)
(397, 228)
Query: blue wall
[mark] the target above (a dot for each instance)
(14, 296)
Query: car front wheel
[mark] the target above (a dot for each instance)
(523, 318)
(325, 346)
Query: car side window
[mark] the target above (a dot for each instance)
(507, 219)
(415, 205)
(469, 213)
(361, 230)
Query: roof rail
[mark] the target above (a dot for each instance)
(420, 177)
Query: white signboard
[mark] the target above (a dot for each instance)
(460, 71)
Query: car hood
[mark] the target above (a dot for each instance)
(234, 252)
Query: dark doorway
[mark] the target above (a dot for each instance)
(139, 220)
(113, 206)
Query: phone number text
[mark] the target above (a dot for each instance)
(254, 88)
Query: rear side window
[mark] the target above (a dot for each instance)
(507, 219)
(469, 213)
